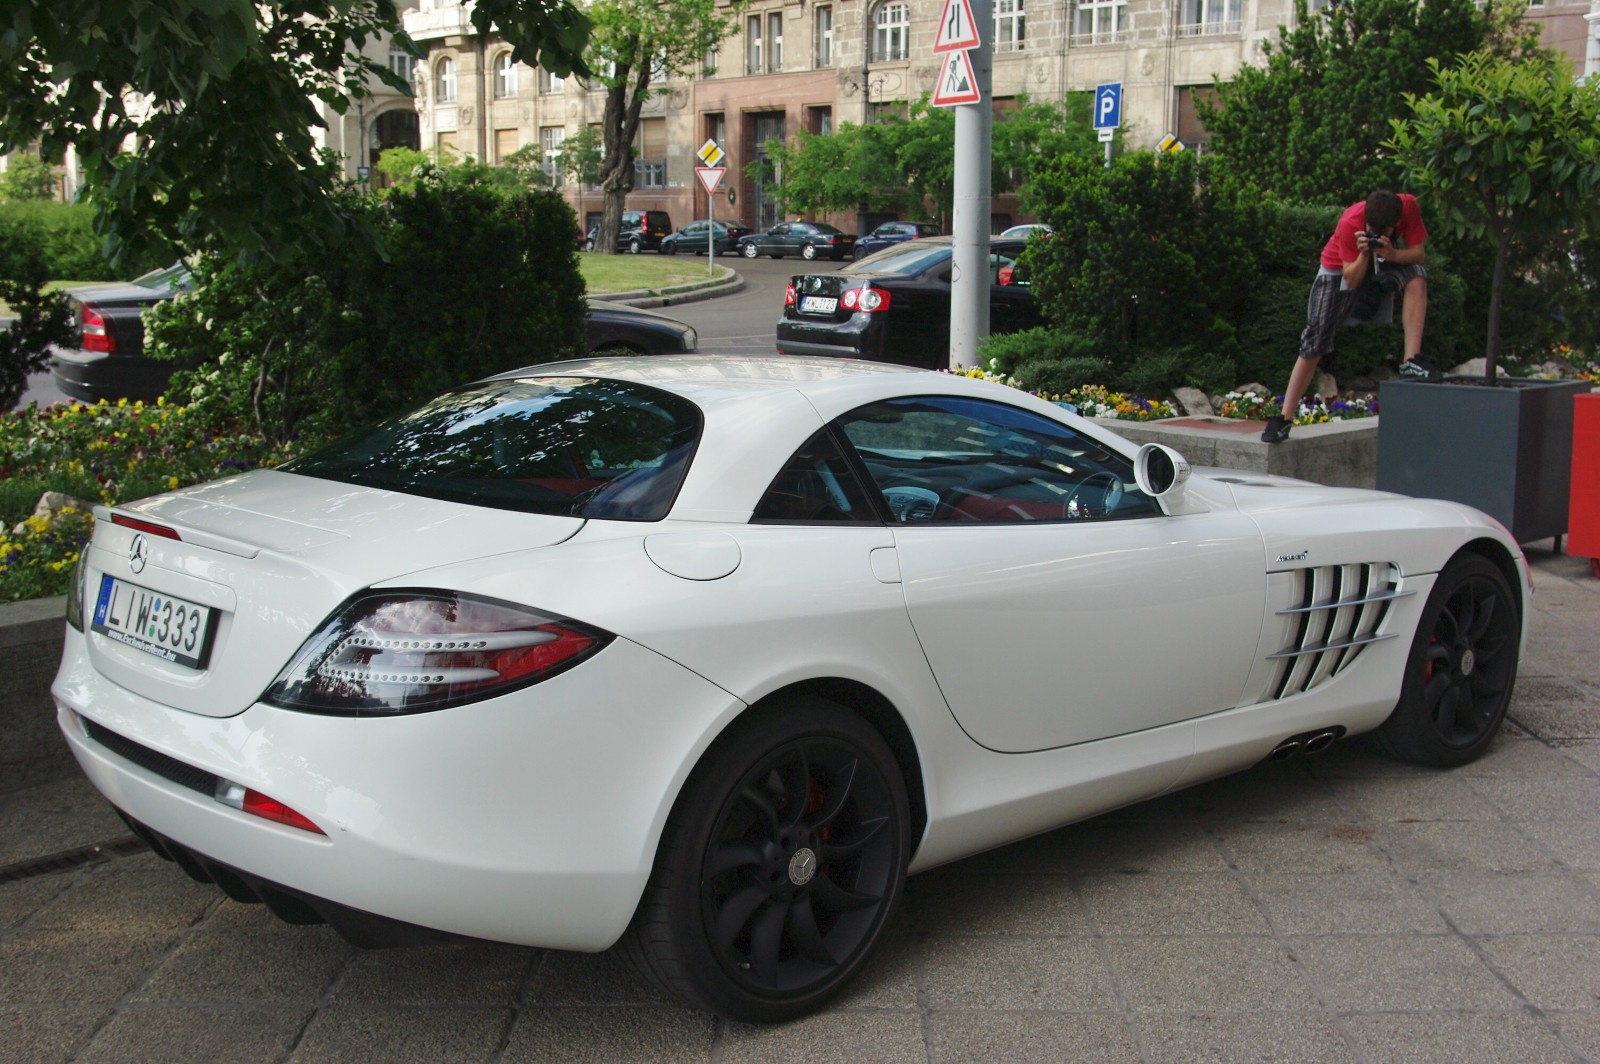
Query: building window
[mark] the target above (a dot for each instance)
(1010, 26)
(551, 138)
(819, 120)
(891, 32)
(445, 146)
(774, 42)
(824, 36)
(713, 60)
(506, 141)
(551, 83)
(752, 45)
(505, 76)
(446, 81)
(1190, 129)
(650, 167)
(1101, 22)
(401, 62)
(1202, 17)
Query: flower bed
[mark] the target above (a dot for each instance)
(1090, 400)
(102, 453)
(1314, 410)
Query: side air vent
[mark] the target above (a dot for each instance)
(1338, 612)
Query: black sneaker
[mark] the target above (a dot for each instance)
(1277, 430)
(1419, 369)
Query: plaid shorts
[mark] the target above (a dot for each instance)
(1330, 302)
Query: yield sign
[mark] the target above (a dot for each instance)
(958, 83)
(958, 29)
(710, 176)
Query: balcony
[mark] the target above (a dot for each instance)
(444, 18)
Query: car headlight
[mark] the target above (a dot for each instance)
(390, 652)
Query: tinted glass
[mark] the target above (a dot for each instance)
(944, 459)
(568, 446)
(815, 486)
(906, 257)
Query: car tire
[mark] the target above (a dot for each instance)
(588, 245)
(859, 253)
(669, 247)
(780, 866)
(634, 247)
(750, 251)
(1461, 669)
(809, 252)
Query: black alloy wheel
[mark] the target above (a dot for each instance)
(669, 247)
(780, 866)
(1461, 671)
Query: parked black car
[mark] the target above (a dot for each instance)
(107, 358)
(125, 372)
(691, 239)
(895, 306)
(639, 231)
(890, 233)
(809, 240)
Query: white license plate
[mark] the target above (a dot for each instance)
(818, 305)
(170, 628)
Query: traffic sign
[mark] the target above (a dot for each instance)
(710, 153)
(958, 28)
(1107, 135)
(710, 176)
(1108, 105)
(958, 82)
(1170, 144)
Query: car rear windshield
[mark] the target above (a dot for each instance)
(569, 446)
(907, 257)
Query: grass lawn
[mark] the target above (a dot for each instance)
(624, 273)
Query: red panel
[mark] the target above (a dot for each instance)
(1583, 523)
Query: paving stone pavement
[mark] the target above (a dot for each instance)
(1330, 909)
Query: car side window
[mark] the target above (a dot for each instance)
(943, 459)
(816, 486)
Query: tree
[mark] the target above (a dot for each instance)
(850, 169)
(40, 318)
(192, 119)
(27, 177)
(1309, 125)
(1510, 151)
(579, 162)
(637, 44)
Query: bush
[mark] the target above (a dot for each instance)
(65, 236)
(1002, 353)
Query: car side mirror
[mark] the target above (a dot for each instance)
(1160, 471)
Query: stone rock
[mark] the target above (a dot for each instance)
(1324, 387)
(1472, 367)
(1193, 402)
(1255, 388)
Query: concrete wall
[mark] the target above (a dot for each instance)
(31, 748)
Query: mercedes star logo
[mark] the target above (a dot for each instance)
(802, 866)
(138, 553)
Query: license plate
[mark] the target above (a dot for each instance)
(818, 305)
(170, 628)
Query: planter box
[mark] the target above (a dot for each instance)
(1506, 450)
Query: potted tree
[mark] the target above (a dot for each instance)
(1506, 150)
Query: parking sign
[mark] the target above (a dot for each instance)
(1108, 105)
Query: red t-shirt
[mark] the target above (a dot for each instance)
(1341, 246)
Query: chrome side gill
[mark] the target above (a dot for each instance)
(1338, 611)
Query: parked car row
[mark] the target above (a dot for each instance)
(652, 231)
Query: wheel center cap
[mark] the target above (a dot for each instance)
(802, 866)
(1468, 662)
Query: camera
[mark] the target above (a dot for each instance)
(1373, 236)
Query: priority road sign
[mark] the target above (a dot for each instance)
(958, 28)
(1108, 105)
(710, 176)
(1170, 144)
(958, 82)
(710, 153)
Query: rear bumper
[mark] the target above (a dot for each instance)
(90, 376)
(846, 339)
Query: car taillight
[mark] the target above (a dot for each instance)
(96, 335)
(788, 295)
(412, 651)
(1006, 273)
(870, 300)
(247, 800)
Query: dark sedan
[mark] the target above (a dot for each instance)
(691, 239)
(107, 359)
(890, 233)
(809, 240)
(895, 306)
(121, 370)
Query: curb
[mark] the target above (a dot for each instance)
(727, 284)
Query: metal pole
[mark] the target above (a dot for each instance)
(711, 231)
(970, 278)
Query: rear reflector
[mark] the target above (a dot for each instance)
(257, 804)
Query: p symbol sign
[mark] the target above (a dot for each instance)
(1108, 105)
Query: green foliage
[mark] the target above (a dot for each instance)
(64, 235)
(1508, 151)
(41, 318)
(580, 155)
(326, 345)
(1309, 125)
(1007, 353)
(27, 178)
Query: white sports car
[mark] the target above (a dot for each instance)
(705, 655)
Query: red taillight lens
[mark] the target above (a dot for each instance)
(409, 652)
(1006, 273)
(788, 295)
(97, 335)
(255, 803)
(148, 527)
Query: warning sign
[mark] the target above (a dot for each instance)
(958, 29)
(958, 83)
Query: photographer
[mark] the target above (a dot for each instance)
(1377, 243)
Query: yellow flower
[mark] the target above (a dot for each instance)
(172, 483)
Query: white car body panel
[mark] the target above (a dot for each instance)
(534, 816)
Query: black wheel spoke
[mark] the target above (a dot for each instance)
(843, 783)
(839, 899)
(762, 803)
(733, 855)
(806, 935)
(1483, 618)
(1445, 715)
(735, 913)
(766, 942)
(838, 849)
